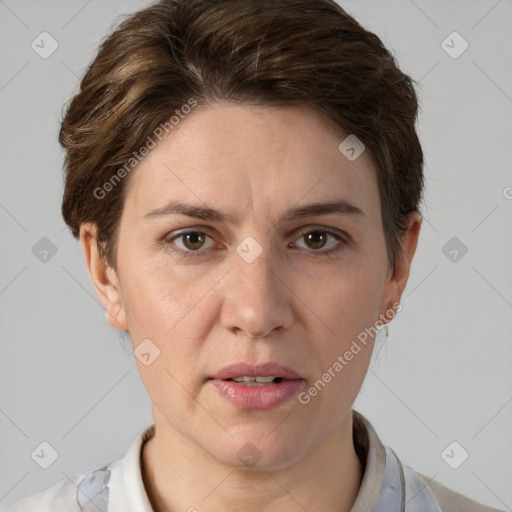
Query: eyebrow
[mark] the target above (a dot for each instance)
(341, 206)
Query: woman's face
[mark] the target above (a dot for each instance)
(260, 279)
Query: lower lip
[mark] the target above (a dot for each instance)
(257, 397)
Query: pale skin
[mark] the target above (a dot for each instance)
(302, 309)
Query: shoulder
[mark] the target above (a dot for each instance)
(389, 481)
(60, 497)
(119, 483)
(452, 501)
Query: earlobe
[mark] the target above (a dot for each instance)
(103, 277)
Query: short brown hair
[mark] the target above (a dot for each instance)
(258, 52)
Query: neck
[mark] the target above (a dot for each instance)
(180, 475)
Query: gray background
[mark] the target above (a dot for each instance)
(444, 375)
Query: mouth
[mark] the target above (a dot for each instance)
(262, 373)
(257, 386)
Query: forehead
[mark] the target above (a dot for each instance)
(260, 159)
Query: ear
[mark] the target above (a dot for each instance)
(397, 280)
(103, 277)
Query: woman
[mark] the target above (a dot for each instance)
(245, 178)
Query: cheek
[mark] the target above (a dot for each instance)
(167, 308)
(349, 308)
(154, 296)
(158, 309)
(350, 300)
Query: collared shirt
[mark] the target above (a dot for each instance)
(388, 485)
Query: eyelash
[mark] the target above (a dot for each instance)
(199, 253)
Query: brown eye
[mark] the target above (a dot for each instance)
(316, 239)
(190, 242)
(193, 241)
(319, 239)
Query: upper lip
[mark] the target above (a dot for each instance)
(256, 370)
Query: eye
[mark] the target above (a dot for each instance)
(320, 242)
(317, 239)
(189, 242)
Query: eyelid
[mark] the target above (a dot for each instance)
(325, 229)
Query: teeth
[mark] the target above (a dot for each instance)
(253, 383)
(254, 379)
(265, 379)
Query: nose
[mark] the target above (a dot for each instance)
(257, 297)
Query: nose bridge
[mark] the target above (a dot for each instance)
(257, 274)
(255, 302)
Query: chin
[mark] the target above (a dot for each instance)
(259, 451)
